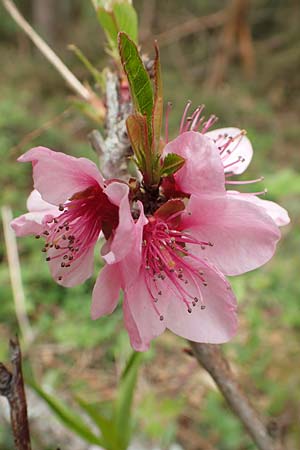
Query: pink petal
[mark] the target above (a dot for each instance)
(124, 236)
(215, 324)
(244, 237)
(36, 203)
(33, 222)
(58, 176)
(240, 149)
(27, 224)
(106, 291)
(80, 270)
(276, 212)
(141, 320)
(129, 265)
(203, 169)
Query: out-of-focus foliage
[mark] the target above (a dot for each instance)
(79, 357)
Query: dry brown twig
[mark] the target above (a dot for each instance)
(213, 361)
(191, 26)
(12, 387)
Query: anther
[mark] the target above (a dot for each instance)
(37, 236)
(62, 264)
(202, 307)
(59, 278)
(161, 318)
(48, 258)
(61, 207)
(189, 310)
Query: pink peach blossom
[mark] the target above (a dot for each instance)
(167, 286)
(247, 228)
(70, 206)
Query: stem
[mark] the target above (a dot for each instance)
(12, 387)
(213, 361)
(15, 276)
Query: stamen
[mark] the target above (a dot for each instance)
(245, 182)
(164, 254)
(182, 123)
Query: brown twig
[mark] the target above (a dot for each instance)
(236, 35)
(12, 387)
(191, 26)
(212, 359)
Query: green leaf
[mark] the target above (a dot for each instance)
(158, 103)
(171, 164)
(138, 78)
(106, 19)
(126, 18)
(118, 17)
(124, 400)
(105, 425)
(70, 419)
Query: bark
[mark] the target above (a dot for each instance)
(12, 387)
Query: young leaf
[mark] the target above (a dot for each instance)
(125, 398)
(138, 78)
(70, 419)
(117, 17)
(171, 164)
(126, 18)
(138, 135)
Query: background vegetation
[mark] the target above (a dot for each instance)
(246, 71)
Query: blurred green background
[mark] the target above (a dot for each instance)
(243, 61)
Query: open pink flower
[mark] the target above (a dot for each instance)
(166, 285)
(70, 206)
(173, 276)
(243, 233)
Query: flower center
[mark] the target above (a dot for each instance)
(168, 265)
(73, 232)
